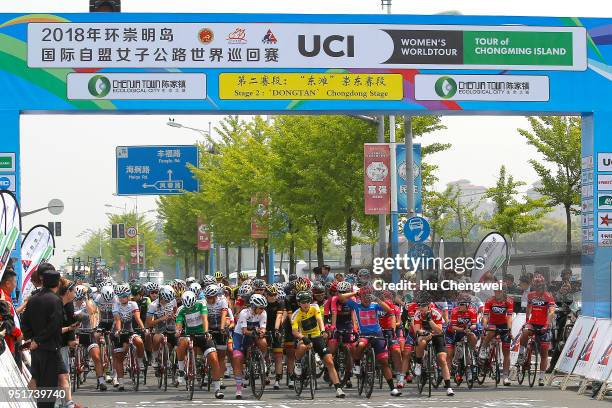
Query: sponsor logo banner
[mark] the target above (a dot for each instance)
(298, 45)
(604, 201)
(203, 236)
(604, 162)
(377, 178)
(604, 220)
(481, 88)
(604, 182)
(139, 86)
(575, 342)
(604, 238)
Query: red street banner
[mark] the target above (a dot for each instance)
(259, 227)
(134, 254)
(203, 237)
(377, 178)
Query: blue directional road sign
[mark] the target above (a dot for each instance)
(416, 229)
(422, 251)
(156, 170)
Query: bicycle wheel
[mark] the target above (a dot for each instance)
(166, 366)
(73, 371)
(379, 377)
(470, 373)
(533, 372)
(341, 360)
(208, 374)
(495, 366)
(369, 370)
(312, 375)
(257, 373)
(85, 364)
(191, 374)
(135, 368)
(430, 368)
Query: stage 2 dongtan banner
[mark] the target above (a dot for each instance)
(402, 199)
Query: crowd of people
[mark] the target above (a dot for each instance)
(286, 319)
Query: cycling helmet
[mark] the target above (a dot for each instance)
(189, 299)
(259, 284)
(281, 296)
(366, 290)
(243, 275)
(423, 298)
(344, 287)
(271, 290)
(318, 288)
(293, 277)
(136, 289)
(211, 291)
(302, 284)
(167, 293)
(80, 291)
(179, 286)
(245, 291)
(190, 280)
(363, 275)
(107, 293)
(123, 291)
(304, 297)
(387, 295)
(195, 288)
(463, 299)
(208, 280)
(258, 301)
(350, 278)
(218, 275)
(153, 287)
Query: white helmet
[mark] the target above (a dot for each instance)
(195, 287)
(344, 287)
(190, 280)
(107, 293)
(81, 291)
(258, 300)
(245, 290)
(189, 299)
(211, 291)
(166, 293)
(123, 290)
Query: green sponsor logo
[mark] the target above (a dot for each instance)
(605, 200)
(6, 162)
(446, 87)
(99, 86)
(518, 48)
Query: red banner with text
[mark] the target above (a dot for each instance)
(203, 236)
(377, 178)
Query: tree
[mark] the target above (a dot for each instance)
(466, 215)
(558, 138)
(512, 217)
(437, 209)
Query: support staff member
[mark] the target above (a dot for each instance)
(42, 323)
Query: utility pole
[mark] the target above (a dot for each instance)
(382, 218)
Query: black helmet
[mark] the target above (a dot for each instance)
(318, 288)
(303, 297)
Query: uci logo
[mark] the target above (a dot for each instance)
(498, 309)
(334, 46)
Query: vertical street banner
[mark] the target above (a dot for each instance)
(259, 223)
(203, 236)
(136, 254)
(12, 227)
(37, 247)
(517, 325)
(575, 342)
(402, 197)
(602, 364)
(377, 178)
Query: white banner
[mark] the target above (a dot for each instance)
(298, 45)
(481, 88)
(598, 338)
(517, 324)
(575, 342)
(168, 86)
(13, 228)
(601, 366)
(37, 247)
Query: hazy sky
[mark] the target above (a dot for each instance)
(83, 173)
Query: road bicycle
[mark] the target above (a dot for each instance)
(255, 369)
(429, 367)
(342, 357)
(366, 377)
(163, 363)
(106, 352)
(463, 362)
(491, 366)
(190, 365)
(308, 378)
(531, 359)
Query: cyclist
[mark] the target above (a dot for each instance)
(143, 302)
(367, 313)
(259, 286)
(309, 331)
(318, 294)
(125, 313)
(463, 321)
(275, 312)
(497, 319)
(218, 309)
(428, 327)
(192, 320)
(342, 323)
(539, 317)
(85, 311)
(388, 323)
(251, 324)
(407, 318)
(179, 287)
(160, 320)
(105, 301)
(219, 277)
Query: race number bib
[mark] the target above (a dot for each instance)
(193, 319)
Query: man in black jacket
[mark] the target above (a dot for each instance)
(42, 323)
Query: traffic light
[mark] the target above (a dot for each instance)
(55, 228)
(104, 6)
(117, 231)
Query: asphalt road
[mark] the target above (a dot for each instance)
(485, 396)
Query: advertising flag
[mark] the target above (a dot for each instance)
(377, 178)
(203, 236)
(259, 227)
(12, 227)
(37, 247)
(402, 197)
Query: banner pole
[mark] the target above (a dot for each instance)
(394, 215)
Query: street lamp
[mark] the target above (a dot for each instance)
(207, 134)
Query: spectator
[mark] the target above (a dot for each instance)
(525, 285)
(8, 283)
(339, 277)
(509, 285)
(32, 288)
(326, 275)
(67, 293)
(42, 323)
